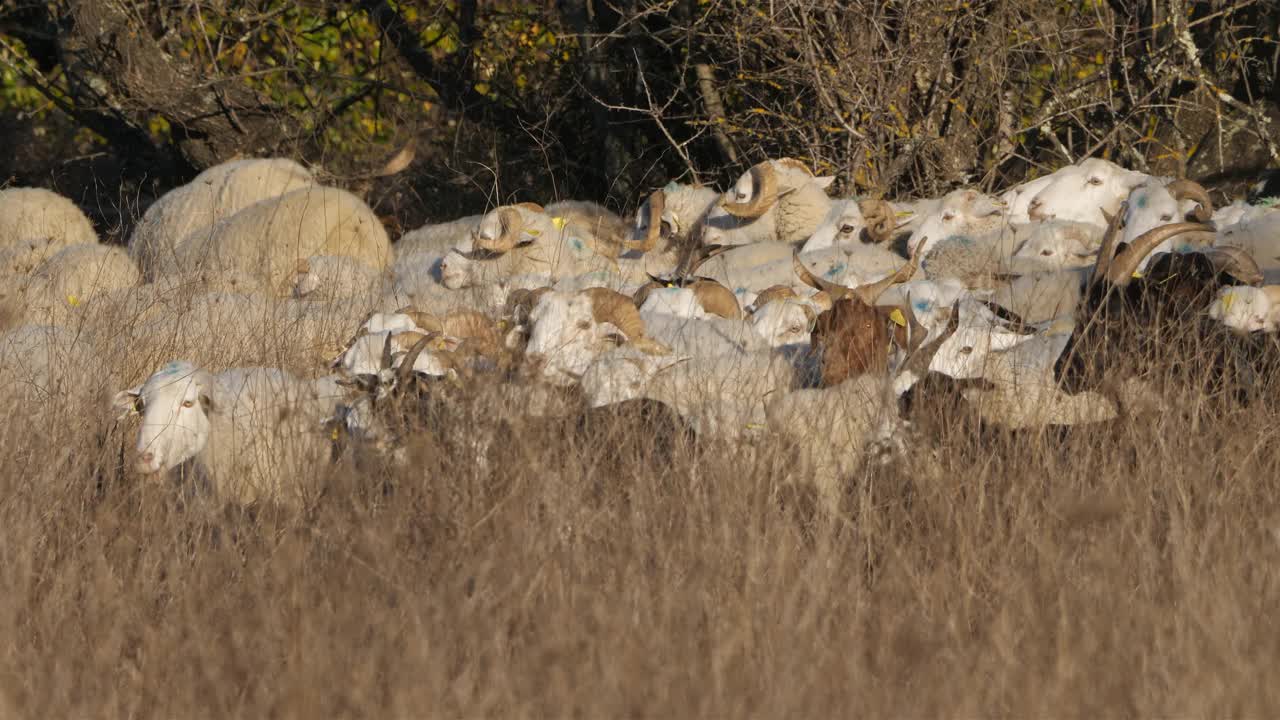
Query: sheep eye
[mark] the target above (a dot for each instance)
(584, 325)
(139, 405)
(1046, 252)
(948, 216)
(847, 229)
(1095, 181)
(188, 403)
(1166, 217)
(966, 350)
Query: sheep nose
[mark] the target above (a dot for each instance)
(146, 463)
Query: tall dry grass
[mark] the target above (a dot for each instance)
(1120, 569)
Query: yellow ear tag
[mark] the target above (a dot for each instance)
(1137, 274)
(333, 434)
(755, 426)
(897, 318)
(559, 222)
(1227, 300)
(73, 301)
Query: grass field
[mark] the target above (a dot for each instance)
(1120, 569)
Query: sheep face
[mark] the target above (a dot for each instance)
(963, 212)
(1018, 199)
(684, 207)
(174, 404)
(785, 322)
(1059, 245)
(841, 227)
(566, 337)
(966, 353)
(1244, 309)
(1094, 187)
(621, 376)
(853, 340)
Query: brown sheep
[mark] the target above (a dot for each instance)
(853, 336)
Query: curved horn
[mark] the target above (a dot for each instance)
(424, 320)
(657, 203)
(1121, 269)
(404, 373)
(1237, 263)
(835, 290)
(879, 218)
(764, 191)
(612, 306)
(1192, 190)
(772, 293)
(511, 222)
(717, 299)
(642, 293)
(869, 292)
(1108, 249)
(387, 358)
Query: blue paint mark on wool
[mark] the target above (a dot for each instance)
(1141, 200)
(834, 270)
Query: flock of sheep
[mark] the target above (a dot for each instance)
(769, 309)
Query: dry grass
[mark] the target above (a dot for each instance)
(1123, 569)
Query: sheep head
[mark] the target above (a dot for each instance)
(853, 336)
(571, 329)
(174, 403)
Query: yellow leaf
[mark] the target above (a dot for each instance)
(73, 301)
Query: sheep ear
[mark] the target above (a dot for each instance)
(126, 402)
(825, 181)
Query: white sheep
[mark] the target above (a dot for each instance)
(569, 330)
(252, 433)
(837, 430)
(268, 238)
(1248, 309)
(46, 369)
(57, 291)
(335, 277)
(214, 195)
(437, 238)
(776, 201)
(966, 213)
(671, 219)
(722, 395)
(850, 223)
(525, 239)
(1086, 192)
(1258, 235)
(35, 224)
